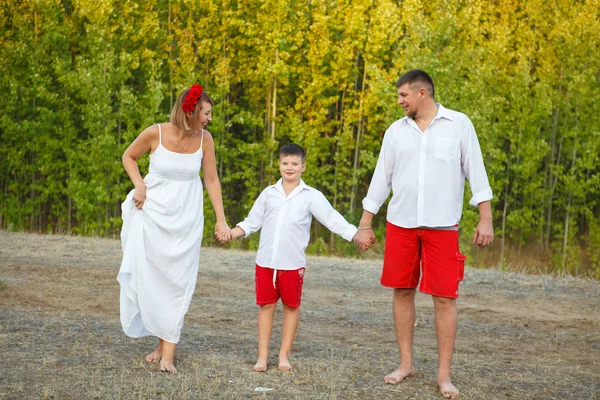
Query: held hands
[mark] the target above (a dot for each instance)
(234, 233)
(222, 232)
(139, 196)
(364, 238)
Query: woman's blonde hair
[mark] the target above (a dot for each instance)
(178, 116)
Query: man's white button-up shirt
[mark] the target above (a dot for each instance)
(285, 223)
(426, 171)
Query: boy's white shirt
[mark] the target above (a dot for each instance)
(285, 223)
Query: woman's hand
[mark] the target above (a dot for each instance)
(222, 232)
(139, 196)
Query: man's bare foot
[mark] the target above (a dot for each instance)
(398, 375)
(155, 356)
(167, 365)
(447, 389)
(261, 365)
(284, 364)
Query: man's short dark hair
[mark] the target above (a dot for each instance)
(418, 76)
(292, 149)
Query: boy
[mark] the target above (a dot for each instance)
(284, 212)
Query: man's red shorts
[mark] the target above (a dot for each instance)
(429, 254)
(288, 286)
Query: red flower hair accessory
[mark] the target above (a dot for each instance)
(192, 98)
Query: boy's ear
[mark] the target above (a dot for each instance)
(303, 167)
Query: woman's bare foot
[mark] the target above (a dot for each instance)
(447, 389)
(284, 364)
(167, 365)
(261, 365)
(155, 356)
(398, 375)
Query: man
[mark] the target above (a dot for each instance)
(425, 158)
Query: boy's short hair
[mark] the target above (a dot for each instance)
(292, 149)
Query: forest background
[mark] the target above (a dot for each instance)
(79, 79)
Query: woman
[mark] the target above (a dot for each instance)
(163, 222)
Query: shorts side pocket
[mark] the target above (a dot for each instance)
(460, 265)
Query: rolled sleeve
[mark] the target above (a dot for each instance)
(481, 196)
(473, 166)
(370, 205)
(349, 232)
(244, 226)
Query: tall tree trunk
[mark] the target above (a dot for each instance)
(337, 149)
(32, 196)
(542, 245)
(358, 141)
(504, 212)
(551, 198)
(4, 182)
(69, 202)
(273, 116)
(553, 156)
(171, 44)
(569, 201)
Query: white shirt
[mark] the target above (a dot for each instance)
(285, 223)
(426, 171)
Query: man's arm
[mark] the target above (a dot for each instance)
(379, 191)
(472, 163)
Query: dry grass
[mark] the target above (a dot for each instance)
(520, 337)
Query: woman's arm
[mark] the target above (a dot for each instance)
(213, 186)
(144, 143)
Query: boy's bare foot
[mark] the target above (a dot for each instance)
(398, 375)
(155, 356)
(167, 365)
(284, 364)
(448, 390)
(261, 365)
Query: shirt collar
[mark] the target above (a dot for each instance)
(442, 112)
(301, 186)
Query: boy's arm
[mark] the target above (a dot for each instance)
(255, 218)
(330, 218)
(237, 232)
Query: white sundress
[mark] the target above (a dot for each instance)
(161, 246)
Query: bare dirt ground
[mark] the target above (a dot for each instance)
(520, 337)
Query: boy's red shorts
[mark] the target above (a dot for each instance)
(288, 286)
(429, 254)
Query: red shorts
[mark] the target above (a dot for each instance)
(288, 286)
(434, 252)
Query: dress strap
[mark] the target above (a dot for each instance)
(159, 135)
(202, 139)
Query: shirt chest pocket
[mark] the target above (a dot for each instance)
(446, 148)
(299, 210)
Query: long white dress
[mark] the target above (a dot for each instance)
(161, 246)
